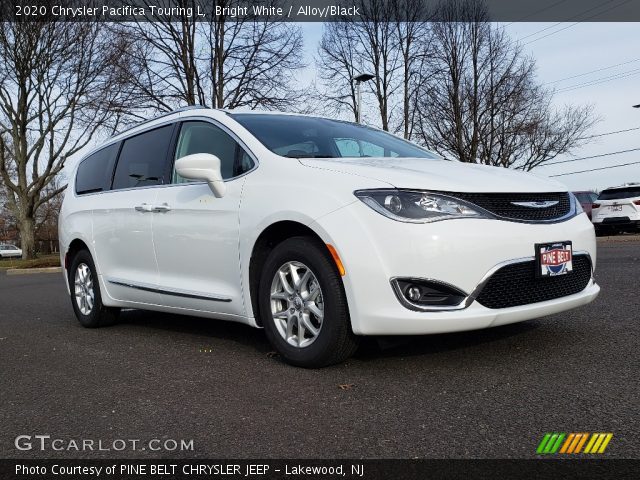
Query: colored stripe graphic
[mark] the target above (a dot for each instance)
(598, 442)
(572, 443)
(582, 441)
(568, 442)
(550, 443)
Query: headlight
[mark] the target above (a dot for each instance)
(419, 207)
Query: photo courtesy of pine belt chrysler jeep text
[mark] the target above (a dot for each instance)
(319, 231)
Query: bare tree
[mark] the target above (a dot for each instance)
(56, 91)
(413, 40)
(46, 229)
(480, 101)
(389, 40)
(338, 62)
(227, 62)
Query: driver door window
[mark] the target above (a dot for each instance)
(204, 137)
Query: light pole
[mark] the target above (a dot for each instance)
(363, 77)
(636, 106)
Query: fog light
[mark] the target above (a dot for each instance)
(424, 294)
(413, 293)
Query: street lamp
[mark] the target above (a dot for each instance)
(636, 106)
(363, 77)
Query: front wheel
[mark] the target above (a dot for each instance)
(85, 293)
(303, 305)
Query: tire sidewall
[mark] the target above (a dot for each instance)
(311, 254)
(92, 320)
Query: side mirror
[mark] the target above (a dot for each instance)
(202, 166)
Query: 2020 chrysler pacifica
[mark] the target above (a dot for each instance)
(317, 230)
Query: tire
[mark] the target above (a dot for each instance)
(333, 340)
(86, 298)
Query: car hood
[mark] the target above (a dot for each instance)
(443, 175)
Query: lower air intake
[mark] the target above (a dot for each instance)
(516, 284)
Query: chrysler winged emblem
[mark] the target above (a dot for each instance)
(542, 204)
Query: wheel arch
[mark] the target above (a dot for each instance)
(268, 239)
(75, 246)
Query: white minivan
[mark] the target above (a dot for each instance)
(317, 230)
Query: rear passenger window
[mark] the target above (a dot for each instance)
(142, 159)
(95, 171)
(204, 137)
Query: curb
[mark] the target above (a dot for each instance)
(29, 271)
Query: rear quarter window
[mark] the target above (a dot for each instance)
(95, 171)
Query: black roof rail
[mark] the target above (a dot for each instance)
(177, 110)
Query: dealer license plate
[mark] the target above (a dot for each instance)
(553, 259)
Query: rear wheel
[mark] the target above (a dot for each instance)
(86, 298)
(303, 305)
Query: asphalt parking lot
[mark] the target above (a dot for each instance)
(484, 394)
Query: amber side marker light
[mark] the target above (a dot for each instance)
(336, 258)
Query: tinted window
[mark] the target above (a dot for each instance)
(143, 158)
(204, 137)
(298, 137)
(95, 171)
(586, 197)
(619, 193)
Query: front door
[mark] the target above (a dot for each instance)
(195, 234)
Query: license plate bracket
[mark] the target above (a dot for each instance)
(554, 259)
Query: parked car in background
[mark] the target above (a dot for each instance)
(617, 209)
(10, 251)
(317, 230)
(586, 199)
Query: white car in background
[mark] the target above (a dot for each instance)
(10, 251)
(317, 230)
(617, 209)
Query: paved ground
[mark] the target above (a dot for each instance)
(491, 393)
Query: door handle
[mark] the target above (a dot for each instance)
(145, 207)
(162, 208)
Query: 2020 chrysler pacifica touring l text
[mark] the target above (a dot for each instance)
(317, 230)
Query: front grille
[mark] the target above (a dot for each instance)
(501, 204)
(517, 284)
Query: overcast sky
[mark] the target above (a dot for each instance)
(563, 50)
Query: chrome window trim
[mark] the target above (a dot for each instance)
(476, 291)
(125, 136)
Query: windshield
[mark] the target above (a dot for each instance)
(296, 136)
(619, 193)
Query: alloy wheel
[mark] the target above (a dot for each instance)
(297, 304)
(84, 293)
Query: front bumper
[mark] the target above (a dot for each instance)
(461, 253)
